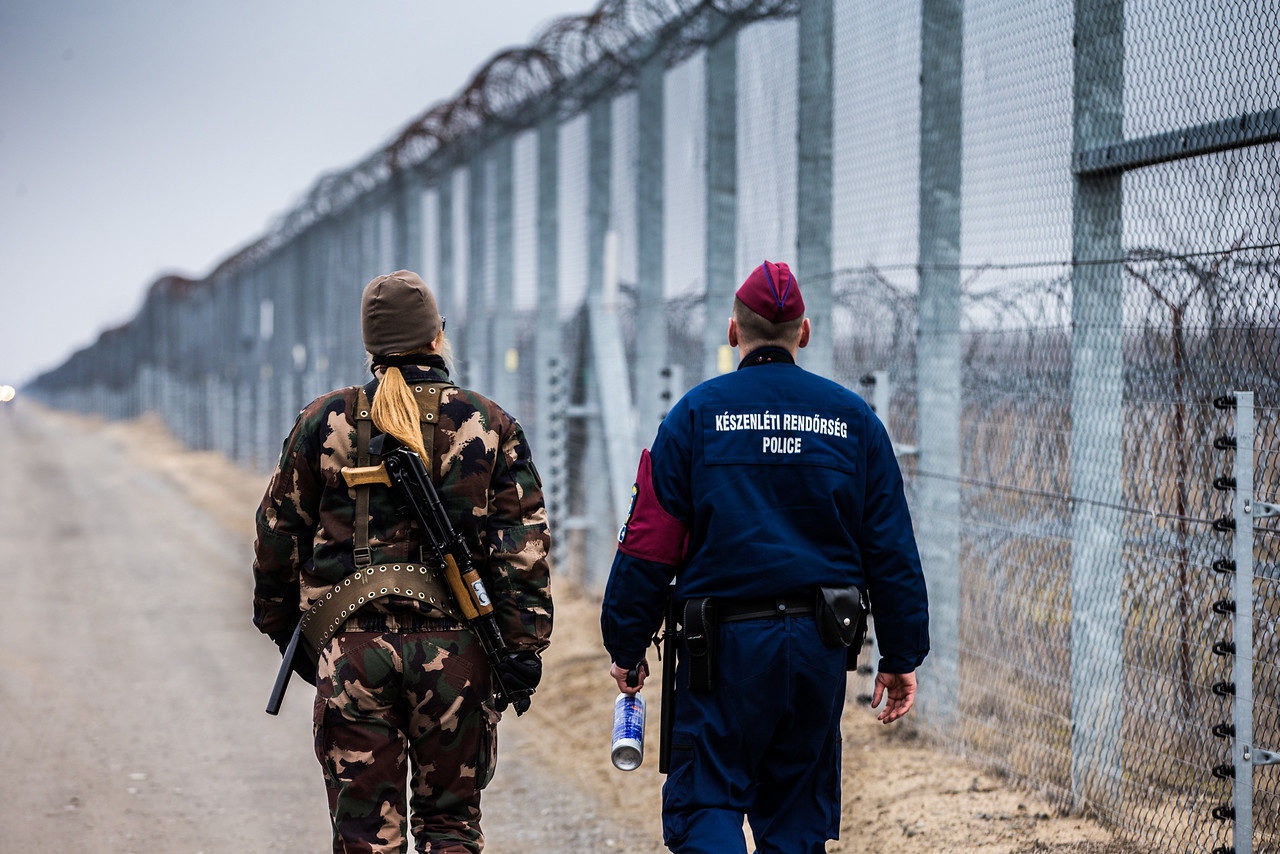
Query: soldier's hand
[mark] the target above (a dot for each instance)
(619, 675)
(305, 667)
(521, 671)
(302, 664)
(899, 692)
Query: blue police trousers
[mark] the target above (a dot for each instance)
(764, 744)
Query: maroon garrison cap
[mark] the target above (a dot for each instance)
(773, 293)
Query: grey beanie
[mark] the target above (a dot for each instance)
(398, 314)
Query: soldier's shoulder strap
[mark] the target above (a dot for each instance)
(364, 431)
(427, 395)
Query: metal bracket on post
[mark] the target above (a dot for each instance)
(1258, 756)
(1260, 509)
(881, 391)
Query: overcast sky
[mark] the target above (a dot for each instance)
(141, 137)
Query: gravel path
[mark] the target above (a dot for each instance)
(134, 685)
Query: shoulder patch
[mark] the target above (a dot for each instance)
(650, 532)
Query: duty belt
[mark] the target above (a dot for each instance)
(701, 616)
(733, 610)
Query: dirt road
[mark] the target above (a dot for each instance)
(133, 685)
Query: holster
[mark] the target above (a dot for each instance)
(699, 638)
(841, 617)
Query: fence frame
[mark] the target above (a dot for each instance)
(358, 223)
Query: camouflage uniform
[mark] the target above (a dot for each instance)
(404, 682)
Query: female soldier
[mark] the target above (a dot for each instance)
(402, 687)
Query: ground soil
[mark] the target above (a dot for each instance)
(134, 687)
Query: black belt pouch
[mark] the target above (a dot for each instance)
(699, 640)
(841, 616)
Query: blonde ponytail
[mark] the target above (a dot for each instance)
(395, 412)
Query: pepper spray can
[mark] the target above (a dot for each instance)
(628, 732)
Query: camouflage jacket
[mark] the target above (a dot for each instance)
(488, 484)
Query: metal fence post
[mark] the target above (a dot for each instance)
(1245, 508)
(611, 435)
(599, 188)
(1097, 392)
(502, 343)
(548, 428)
(263, 422)
(547, 346)
(814, 192)
(293, 326)
(722, 194)
(938, 347)
(446, 286)
(407, 226)
(615, 413)
(475, 331)
(651, 342)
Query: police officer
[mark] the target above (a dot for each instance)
(402, 686)
(774, 498)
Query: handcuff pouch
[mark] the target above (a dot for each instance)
(841, 616)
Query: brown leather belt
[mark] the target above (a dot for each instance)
(768, 607)
(405, 580)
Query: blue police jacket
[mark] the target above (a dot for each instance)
(768, 481)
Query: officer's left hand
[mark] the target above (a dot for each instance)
(899, 692)
(620, 676)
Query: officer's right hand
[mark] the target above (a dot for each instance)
(619, 675)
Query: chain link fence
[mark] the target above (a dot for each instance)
(1045, 237)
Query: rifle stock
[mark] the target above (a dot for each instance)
(366, 475)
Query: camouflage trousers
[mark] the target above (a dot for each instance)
(393, 703)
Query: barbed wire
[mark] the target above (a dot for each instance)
(1046, 264)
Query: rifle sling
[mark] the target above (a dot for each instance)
(427, 396)
(364, 429)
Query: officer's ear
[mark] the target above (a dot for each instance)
(733, 332)
(804, 333)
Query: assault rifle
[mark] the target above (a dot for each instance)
(403, 469)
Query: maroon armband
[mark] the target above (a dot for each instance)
(650, 532)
